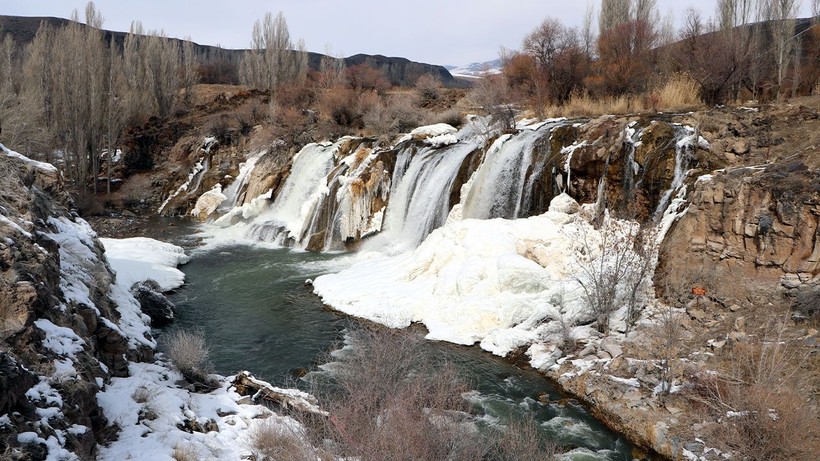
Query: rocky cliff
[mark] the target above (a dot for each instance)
(63, 332)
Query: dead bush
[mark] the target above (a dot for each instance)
(807, 304)
(451, 117)
(390, 398)
(522, 441)
(275, 441)
(763, 403)
(189, 354)
(428, 90)
(396, 115)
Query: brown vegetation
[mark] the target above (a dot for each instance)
(390, 399)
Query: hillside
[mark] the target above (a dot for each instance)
(399, 71)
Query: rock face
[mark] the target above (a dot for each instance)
(758, 224)
(60, 324)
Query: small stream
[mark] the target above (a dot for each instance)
(256, 313)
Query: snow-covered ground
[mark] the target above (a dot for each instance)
(138, 259)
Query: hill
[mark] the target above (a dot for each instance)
(221, 64)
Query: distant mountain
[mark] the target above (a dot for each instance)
(476, 69)
(224, 62)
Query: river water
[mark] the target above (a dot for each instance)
(257, 314)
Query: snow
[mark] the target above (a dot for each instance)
(494, 282)
(15, 226)
(631, 382)
(47, 167)
(198, 168)
(60, 340)
(209, 201)
(149, 427)
(441, 140)
(78, 261)
(563, 203)
(431, 131)
(138, 259)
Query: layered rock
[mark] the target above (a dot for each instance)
(758, 223)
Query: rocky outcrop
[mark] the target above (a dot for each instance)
(153, 303)
(758, 223)
(62, 334)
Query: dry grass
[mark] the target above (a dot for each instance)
(763, 400)
(272, 441)
(680, 92)
(189, 354)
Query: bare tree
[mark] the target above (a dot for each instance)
(190, 75)
(783, 17)
(613, 14)
(492, 95)
(331, 70)
(162, 68)
(273, 60)
(614, 265)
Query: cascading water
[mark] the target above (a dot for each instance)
(632, 140)
(420, 200)
(688, 139)
(289, 215)
(234, 192)
(501, 188)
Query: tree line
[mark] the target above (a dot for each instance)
(69, 95)
(748, 49)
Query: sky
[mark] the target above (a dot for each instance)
(446, 32)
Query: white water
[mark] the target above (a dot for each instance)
(500, 188)
(292, 210)
(233, 192)
(420, 200)
(687, 140)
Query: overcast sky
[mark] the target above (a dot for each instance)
(435, 31)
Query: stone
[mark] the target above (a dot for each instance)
(790, 281)
(740, 147)
(153, 303)
(737, 336)
(611, 347)
(717, 345)
(734, 307)
(740, 324)
(563, 203)
(697, 314)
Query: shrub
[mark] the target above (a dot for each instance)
(390, 398)
(762, 402)
(807, 304)
(428, 90)
(275, 441)
(189, 354)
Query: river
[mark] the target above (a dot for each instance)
(257, 314)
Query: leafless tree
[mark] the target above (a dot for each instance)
(190, 75)
(614, 265)
(492, 95)
(613, 14)
(783, 14)
(273, 59)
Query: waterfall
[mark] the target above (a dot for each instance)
(235, 190)
(632, 140)
(687, 140)
(501, 188)
(288, 218)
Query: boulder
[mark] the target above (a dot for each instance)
(611, 347)
(563, 203)
(153, 303)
